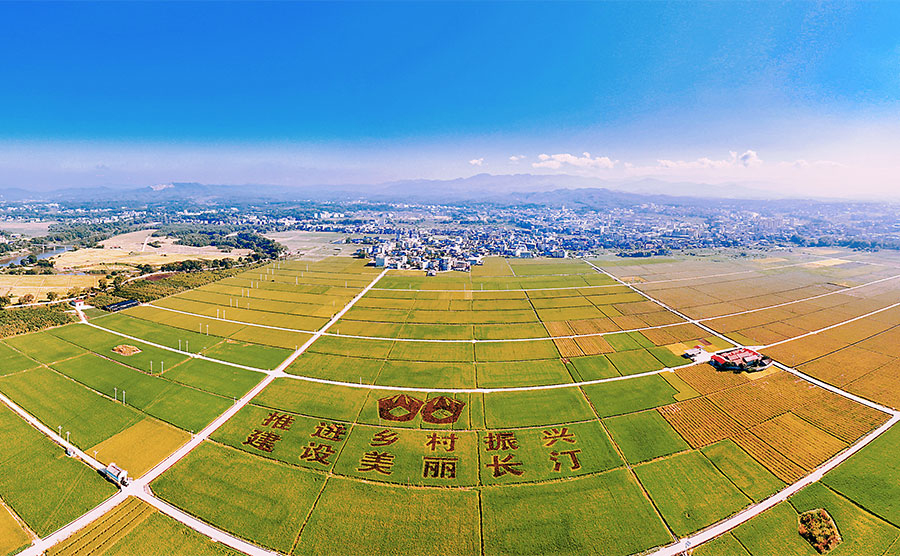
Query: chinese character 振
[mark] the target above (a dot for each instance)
(501, 441)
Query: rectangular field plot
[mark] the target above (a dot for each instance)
(121, 349)
(184, 407)
(509, 331)
(44, 347)
(11, 361)
(545, 453)
(352, 347)
(262, 501)
(593, 367)
(774, 532)
(644, 436)
(410, 456)
(607, 510)
(223, 380)
(397, 521)
(293, 439)
(336, 367)
(43, 486)
(313, 399)
(689, 491)
(805, 444)
(433, 351)
(515, 351)
(535, 407)
(13, 537)
(522, 373)
(752, 478)
(626, 396)
(134, 527)
(60, 402)
(157, 333)
(862, 533)
(423, 374)
(634, 362)
(249, 354)
(868, 478)
(140, 447)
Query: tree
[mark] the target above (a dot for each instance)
(52, 296)
(5, 300)
(27, 298)
(102, 283)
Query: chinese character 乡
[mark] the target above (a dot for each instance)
(557, 465)
(262, 440)
(277, 420)
(554, 435)
(317, 453)
(503, 466)
(501, 441)
(435, 467)
(448, 442)
(329, 431)
(384, 438)
(380, 462)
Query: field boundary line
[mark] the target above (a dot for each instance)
(512, 340)
(753, 510)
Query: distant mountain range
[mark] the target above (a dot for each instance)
(516, 188)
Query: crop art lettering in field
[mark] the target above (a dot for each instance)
(440, 410)
(439, 467)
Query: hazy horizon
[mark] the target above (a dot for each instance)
(798, 98)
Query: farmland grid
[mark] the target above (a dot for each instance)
(279, 372)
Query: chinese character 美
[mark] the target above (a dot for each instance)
(277, 420)
(384, 438)
(443, 467)
(554, 457)
(376, 461)
(329, 431)
(262, 440)
(448, 441)
(501, 441)
(504, 466)
(317, 453)
(554, 435)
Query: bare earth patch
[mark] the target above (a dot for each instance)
(126, 350)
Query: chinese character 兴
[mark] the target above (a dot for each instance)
(555, 435)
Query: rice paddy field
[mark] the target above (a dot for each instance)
(531, 406)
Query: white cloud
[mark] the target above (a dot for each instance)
(517, 157)
(477, 161)
(747, 160)
(556, 161)
(803, 163)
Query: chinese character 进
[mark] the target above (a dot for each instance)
(575, 465)
(501, 441)
(384, 438)
(277, 420)
(317, 453)
(554, 435)
(504, 466)
(448, 441)
(329, 431)
(380, 462)
(262, 440)
(435, 467)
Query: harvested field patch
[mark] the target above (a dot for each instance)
(842, 417)
(881, 385)
(106, 531)
(805, 444)
(593, 345)
(769, 457)
(141, 446)
(699, 421)
(705, 379)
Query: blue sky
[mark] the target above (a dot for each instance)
(335, 92)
